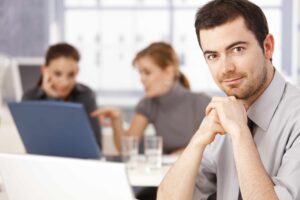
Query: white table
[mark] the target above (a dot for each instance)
(144, 177)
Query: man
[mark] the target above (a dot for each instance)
(226, 158)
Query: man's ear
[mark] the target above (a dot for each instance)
(269, 46)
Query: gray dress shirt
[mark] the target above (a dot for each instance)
(276, 114)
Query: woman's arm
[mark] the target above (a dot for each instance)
(136, 128)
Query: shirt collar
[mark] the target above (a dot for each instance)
(262, 110)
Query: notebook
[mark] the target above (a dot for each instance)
(55, 128)
(38, 177)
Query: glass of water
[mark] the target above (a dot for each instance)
(153, 151)
(129, 150)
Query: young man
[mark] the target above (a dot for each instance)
(228, 158)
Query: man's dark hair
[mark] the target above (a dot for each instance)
(218, 12)
(61, 50)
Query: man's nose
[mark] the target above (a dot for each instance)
(227, 64)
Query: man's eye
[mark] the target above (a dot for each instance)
(71, 75)
(211, 57)
(238, 49)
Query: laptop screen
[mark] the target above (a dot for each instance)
(55, 128)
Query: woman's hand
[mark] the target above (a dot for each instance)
(107, 115)
(47, 86)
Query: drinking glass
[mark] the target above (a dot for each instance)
(153, 151)
(129, 151)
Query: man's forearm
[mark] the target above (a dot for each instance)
(179, 183)
(254, 181)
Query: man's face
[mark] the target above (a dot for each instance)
(237, 63)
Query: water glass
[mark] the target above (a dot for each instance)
(129, 151)
(153, 151)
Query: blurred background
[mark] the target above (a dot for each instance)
(108, 33)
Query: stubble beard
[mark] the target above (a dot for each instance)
(249, 89)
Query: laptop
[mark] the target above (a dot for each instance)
(55, 128)
(38, 177)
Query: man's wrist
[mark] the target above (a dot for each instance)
(239, 134)
(198, 143)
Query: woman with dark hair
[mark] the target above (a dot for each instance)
(169, 105)
(58, 82)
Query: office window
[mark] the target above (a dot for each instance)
(108, 41)
(110, 32)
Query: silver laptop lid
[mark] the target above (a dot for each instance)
(54, 178)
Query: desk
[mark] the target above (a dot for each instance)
(143, 177)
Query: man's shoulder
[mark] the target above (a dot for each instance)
(292, 95)
(289, 107)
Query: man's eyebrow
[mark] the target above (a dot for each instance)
(209, 52)
(235, 44)
(228, 47)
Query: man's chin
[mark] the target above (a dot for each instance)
(238, 95)
(233, 92)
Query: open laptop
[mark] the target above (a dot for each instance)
(55, 128)
(37, 177)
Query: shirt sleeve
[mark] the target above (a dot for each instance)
(206, 182)
(287, 181)
(145, 108)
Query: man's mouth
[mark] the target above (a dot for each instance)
(233, 81)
